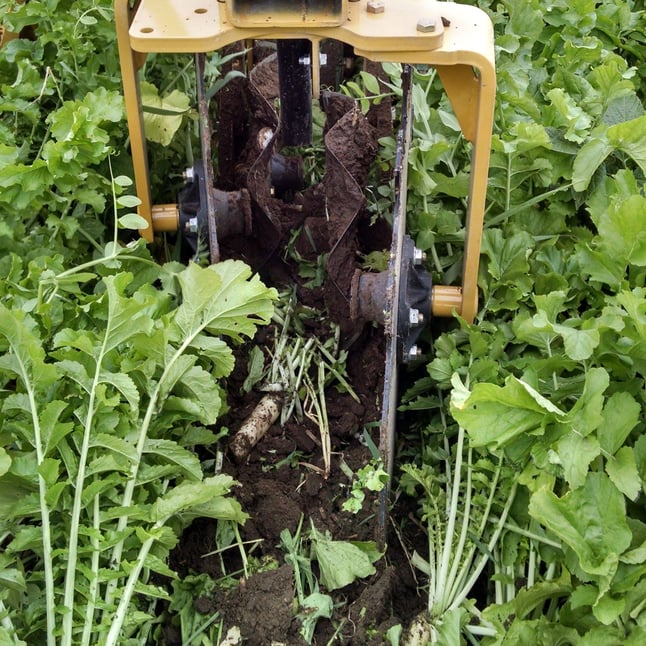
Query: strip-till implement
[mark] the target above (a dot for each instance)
(454, 39)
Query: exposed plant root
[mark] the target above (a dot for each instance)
(256, 425)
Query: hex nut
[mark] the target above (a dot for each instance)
(426, 25)
(376, 6)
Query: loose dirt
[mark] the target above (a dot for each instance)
(281, 481)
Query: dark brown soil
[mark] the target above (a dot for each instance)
(281, 481)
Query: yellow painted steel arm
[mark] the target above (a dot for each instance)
(455, 39)
(130, 63)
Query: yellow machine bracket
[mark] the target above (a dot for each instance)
(455, 39)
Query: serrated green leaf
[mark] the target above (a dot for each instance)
(223, 299)
(124, 384)
(190, 494)
(168, 450)
(115, 444)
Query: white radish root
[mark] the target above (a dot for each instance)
(256, 425)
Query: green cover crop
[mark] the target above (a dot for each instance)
(105, 392)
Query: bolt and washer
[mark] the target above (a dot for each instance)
(426, 25)
(419, 257)
(376, 6)
(414, 353)
(191, 225)
(415, 317)
(188, 174)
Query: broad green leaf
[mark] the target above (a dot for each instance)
(48, 470)
(340, 562)
(630, 138)
(255, 368)
(5, 461)
(23, 186)
(607, 609)
(494, 416)
(575, 453)
(622, 231)
(578, 344)
(27, 360)
(124, 384)
(220, 508)
(162, 115)
(620, 415)
(133, 221)
(591, 520)
(128, 202)
(198, 395)
(592, 154)
(152, 591)
(217, 351)
(569, 115)
(622, 109)
(175, 372)
(316, 606)
(125, 315)
(12, 579)
(622, 469)
(586, 414)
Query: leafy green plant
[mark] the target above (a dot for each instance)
(555, 359)
(340, 563)
(104, 392)
(371, 477)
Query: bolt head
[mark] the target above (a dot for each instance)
(414, 316)
(419, 257)
(376, 6)
(414, 353)
(188, 175)
(191, 225)
(426, 25)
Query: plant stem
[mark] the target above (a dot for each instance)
(72, 550)
(44, 509)
(459, 598)
(466, 517)
(128, 590)
(442, 582)
(94, 581)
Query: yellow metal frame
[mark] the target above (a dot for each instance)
(455, 39)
